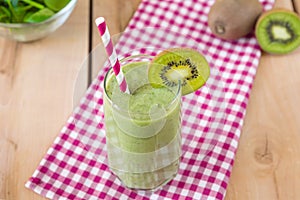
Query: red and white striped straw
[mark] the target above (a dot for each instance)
(111, 52)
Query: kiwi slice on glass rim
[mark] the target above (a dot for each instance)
(174, 64)
(278, 31)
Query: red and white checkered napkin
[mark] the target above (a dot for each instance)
(75, 166)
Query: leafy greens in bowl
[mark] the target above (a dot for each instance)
(28, 20)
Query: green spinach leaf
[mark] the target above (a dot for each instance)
(38, 16)
(5, 15)
(56, 5)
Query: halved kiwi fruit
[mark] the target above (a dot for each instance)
(278, 31)
(184, 64)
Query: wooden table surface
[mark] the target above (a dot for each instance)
(37, 95)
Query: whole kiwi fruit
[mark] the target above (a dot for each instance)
(278, 31)
(233, 19)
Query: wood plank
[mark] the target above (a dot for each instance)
(117, 14)
(41, 95)
(284, 4)
(7, 54)
(267, 164)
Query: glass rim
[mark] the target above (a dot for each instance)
(109, 74)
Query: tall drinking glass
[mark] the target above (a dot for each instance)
(143, 134)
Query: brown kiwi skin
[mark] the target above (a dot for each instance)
(233, 19)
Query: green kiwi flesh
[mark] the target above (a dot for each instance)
(278, 31)
(184, 64)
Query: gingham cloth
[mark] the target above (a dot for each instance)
(75, 167)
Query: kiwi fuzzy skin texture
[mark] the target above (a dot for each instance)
(174, 64)
(233, 19)
(278, 31)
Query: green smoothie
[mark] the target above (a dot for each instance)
(142, 129)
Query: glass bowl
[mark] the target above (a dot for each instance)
(25, 32)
